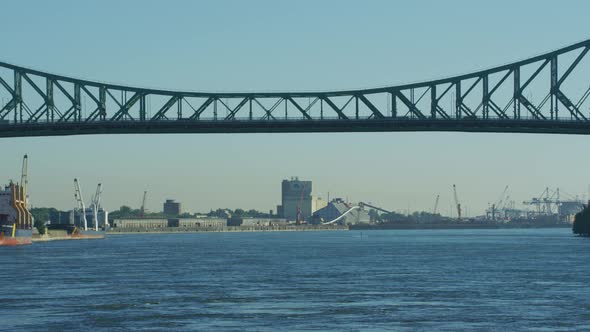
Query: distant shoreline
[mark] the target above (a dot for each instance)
(453, 226)
(318, 228)
(228, 229)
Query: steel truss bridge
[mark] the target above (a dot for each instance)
(542, 94)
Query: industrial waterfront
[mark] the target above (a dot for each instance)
(300, 210)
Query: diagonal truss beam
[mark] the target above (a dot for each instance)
(372, 107)
(232, 113)
(303, 111)
(411, 106)
(338, 111)
(161, 114)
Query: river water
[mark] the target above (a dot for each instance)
(505, 280)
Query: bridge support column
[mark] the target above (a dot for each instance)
(142, 110)
(458, 99)
(102, 104)
(485, 97)
(179, 105)
(554, 88)
(433, 102)
(393, 104)
(50, 109)
(77, 103)
(215, 109)
(517, 92)
(18, 97)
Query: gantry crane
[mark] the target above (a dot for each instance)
(545, 200)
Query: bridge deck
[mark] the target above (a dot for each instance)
(296, 126)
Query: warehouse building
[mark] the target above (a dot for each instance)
(155, 223)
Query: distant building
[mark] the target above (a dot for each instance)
(202, 222)
(61, 218)
(237, 221)
(140, 223)
(172, 208)
(151, 223)
(295, 194)
(74, 218)
(337, 208)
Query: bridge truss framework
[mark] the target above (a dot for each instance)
(500, 99)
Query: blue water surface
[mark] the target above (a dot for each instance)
(406, 280)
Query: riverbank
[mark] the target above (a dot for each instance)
(454, 226)
(231, 229)
(58, 235)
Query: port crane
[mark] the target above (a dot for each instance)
(545, 200)
(457, 203)
(142, 209)
(24, 184)
(24, 179)
(499, 203)
(436, 204)
(96, 205)
(80, 200)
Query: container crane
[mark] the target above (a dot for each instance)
(142, 209)
(457, 203)
(80, 200)
(436, 204)
(498, 204)
(545, 200)
(96, 205)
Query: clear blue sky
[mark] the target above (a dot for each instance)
(288, 45)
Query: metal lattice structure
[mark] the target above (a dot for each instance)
(501, 99)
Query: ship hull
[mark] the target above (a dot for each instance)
(21, 237)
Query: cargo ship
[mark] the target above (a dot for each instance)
(16, 221)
